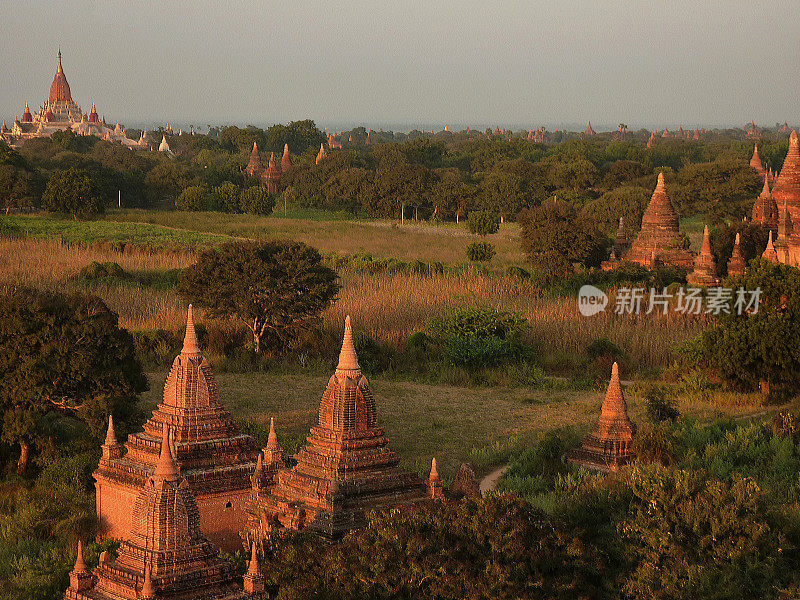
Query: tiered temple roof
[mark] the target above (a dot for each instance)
(705, 267)
(345, 469)
(214, 456)
(608, 445)
(736, 263)
(660, 236)
(165, 554)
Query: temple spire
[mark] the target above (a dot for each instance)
(253, 581)
(166, 469)
(272, 440)
(190, 345)
(111, 436)
(765, 189)
(80, 564)
(148, 591)
(348, 360)
(705, 249)
(253, 569)
(435, 487)
(59, 69)
(614, 403)
(770, 253)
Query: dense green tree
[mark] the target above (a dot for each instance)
(194, 197)
(255, 200)
(275, 288)
(752, 241)
(73, 191)
(757, 348)
(451, 195)
(405, 185)
(480, 251)
(225, 197)
(62, 356)
(554, 237)
(691, 536)
(626, 202)
(499, 547)
(723, 189)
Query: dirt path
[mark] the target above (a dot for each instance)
(489, 482)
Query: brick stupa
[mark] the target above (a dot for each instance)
(756, 163)
(213, 455)
(736, 263)
(765, 209)
(770, 253)
(286, 160)
(787, 186)
(345, 469)
(254, 168)
(705, 267)
(659, 239)
(165, 554)
(608, 446)
(272, 176)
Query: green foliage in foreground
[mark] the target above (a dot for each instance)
(480, 252)
(721, 521)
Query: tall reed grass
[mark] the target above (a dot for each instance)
(388, 307)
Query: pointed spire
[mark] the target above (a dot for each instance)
(793, 143)
(614, 405)
(736, 242)
(348, 360)
(166, 468)
(770, 253)
(59, 69)
(148, 591)
(765, 189)
(705, 249)
(80, 564)
(272, 440)
(434, 476)
(190, 345)
(253, 569)
(111, 437)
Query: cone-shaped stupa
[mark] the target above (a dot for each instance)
(769, 252)
(286, 160)
(736, 264)
(345, 469)
(652, 141)
(756, 163)
(705, 267)
(696, 135)
(589, 130)
(253, 580)
(80, 579)
(254, 168)
(216, 459)
(272, 175)
(660, 235)
(621, 241)
(765, 209)
(435, 488)
(321, 155)
(608, 446)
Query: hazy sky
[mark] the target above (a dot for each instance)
(402, 64)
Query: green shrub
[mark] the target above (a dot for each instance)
(481, 322)
(193, 198)
(483, 222)
(98, 270)
(256, 201)
(660, 407)
(480, 251)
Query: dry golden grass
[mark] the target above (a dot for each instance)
(389, 307)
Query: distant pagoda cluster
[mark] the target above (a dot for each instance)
(271, 176)
(59, 112)
(660, 242)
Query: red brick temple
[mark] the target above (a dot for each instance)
(608, 446)
(786, 194)
(165, 554)
(215, 458)
(286, 160)
(345, 469)
(756, 163)
(765, 209)
(659, 240)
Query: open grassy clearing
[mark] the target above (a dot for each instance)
(477, 425)
(381, 238)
